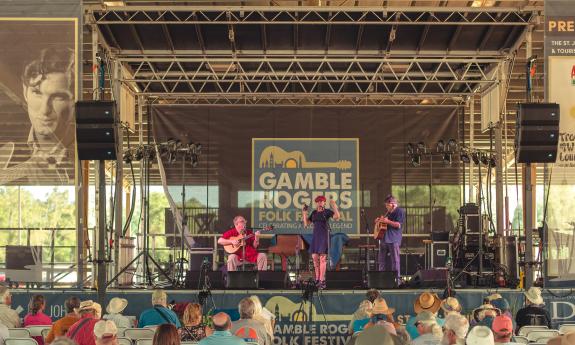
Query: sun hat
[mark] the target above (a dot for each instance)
(501, 304)
(116, 305)
(494, 296)
(480, 335)
(533, 295)
(380, 307)
(485, 310)
(105, 329)
(88, 305)
(427, 302)
(425, 317)
(451, 305)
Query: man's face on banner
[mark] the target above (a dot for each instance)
(50, 104)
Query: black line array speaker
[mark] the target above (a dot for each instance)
(273, 280)
(382, 280)
(344, 279)
(432, 278)
(96, 130)
(537, 132)
(215, 278)
(242, 280)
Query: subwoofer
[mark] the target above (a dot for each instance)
(273, 280)
(432, 278)
(96, 130)
(194, 280)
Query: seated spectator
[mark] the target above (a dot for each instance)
(372, 294)
(362, 315)
(193, 329)
(502, 328)
(222, 334)
(3, 333)
(381, 315)
(166, 334)
(480, 335)
(114, 312)
(533, 314)
(428, 329)
(377, 335)
(425, 302)
(566, 339)
(159, 313)
(60, 327)
(36, 316)
(8, 316)
(264, 316)
(450, 306)
(105, 332)
(455, 329)
(248, 328)
(82, 332)
(484, 315)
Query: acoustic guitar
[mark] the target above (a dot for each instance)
(231, 249)
(380, 227)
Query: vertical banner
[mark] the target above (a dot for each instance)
(288, 173)
(38, 69)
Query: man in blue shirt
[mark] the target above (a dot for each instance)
(222, 334)
(159, 313)
(391, 242)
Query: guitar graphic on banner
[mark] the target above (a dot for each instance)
(273, 156)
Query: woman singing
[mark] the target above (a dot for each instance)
(319, 243)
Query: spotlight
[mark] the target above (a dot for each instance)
(410, 149)
(127, 157)
(416, 160)
(475, 157)
(421, 147)
(440, 146)
(447, 158)
(451, 145)
(139, 154)
(464, 156)
(492, 161)
(485, 159)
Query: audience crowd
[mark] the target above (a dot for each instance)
(435, 321)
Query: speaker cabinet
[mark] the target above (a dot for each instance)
(344, 279)
(432, 278)
(242, 280)
(273, 280)
(215, 279)
(382, 280)
(96, 130)
(537, 132)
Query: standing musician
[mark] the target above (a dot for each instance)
(251, 253)
(319, 243)
(391, 241)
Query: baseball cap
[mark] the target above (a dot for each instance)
(502, 324)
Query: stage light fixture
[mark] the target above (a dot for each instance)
(464, 156)
(410, 149)
(416, 160)
(492, 161)
(440, 146)
(421, 147)
(447, 158)
(139, 154)
(128, 157)
(451, 145)
(485, 159)
(475, 157)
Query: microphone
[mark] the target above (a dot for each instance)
(305, 207)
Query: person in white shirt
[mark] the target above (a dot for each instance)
(3, 333)
(455, 330)
(428, 329)
(8, 316)
(114, 313)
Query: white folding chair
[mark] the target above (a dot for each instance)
(521, 340)
(124, 341)
(121, 331)
(36, 331)
(139, 333)
(18, 333)
(524, 331)
(251, 343)
(567, 328)
(45, 332)
(144, 342)
(20, 341)
(541, 336)
(189, 343)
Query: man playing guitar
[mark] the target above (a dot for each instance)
(389, 245)
(251, 253)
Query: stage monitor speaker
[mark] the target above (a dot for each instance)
(344, 279)
(432, 278)
(273, 280)
(382, 280)
(215, 278)
(96, 130)
(242, 280)
(537, 132)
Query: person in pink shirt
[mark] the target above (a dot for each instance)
(36, 316)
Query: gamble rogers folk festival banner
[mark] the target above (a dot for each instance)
(562, 91)
(288, 173)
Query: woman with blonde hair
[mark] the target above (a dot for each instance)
(264, 316)
(193, 328)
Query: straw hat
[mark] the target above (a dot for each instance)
(105, 329)
(494, 296)
(427, 302)
(480, 335)
(451, 305)
(90, 305)
(380, 307)
(376, 335)
(533, 295)
(116, 305)
(485, 310)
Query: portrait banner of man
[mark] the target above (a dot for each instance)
(38, 89)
